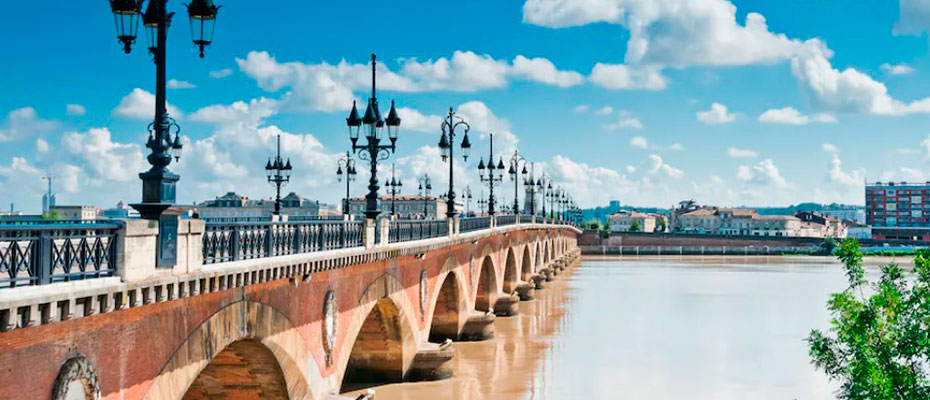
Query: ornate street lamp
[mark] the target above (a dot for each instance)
(350, 173)
(515, 162)
(482, 202)
(393, 187)
(446, 147)
(158, 183)
(279, 174)
(529, 184)
(543, 185)
(494, 175)
(373, 151)
(426, 185)
(551, 195)
(466, 195)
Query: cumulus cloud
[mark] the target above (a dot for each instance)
(415, 121)
(914, 18)
(140, 104)
(97, 150)
(626, 121)
(76, 110)
(25, 122)
(734, 152)
(791, 116)
(643, 143)
(897, 69)
(606, 110)
(176, 84)
(581, 109)
(42, 146)
(653, 182)
(623, 77)
(718, 114)
(836, 174)
(764, 173)
(544, 71)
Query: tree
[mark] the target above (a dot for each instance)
(635, 226)
(660, 225)
(878, 343)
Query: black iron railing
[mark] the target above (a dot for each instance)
(504, 220)
(474, 224)
(48, 251)
(247, 240)
(407, 230)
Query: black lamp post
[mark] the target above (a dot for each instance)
(494, 176)
(543, 185)
(515, 162)
(551, 195)
(158, 183)
(529, 184)
(279, 174)
(393, 187)
(446, 146)
(373, 151)
(466, 195)
(426, 185)
(350, 173)
(482, 202)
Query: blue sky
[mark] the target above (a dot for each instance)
(645, 101)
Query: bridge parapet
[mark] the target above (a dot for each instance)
(277, 251)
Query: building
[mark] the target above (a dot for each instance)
(727, 221)
(121, 211)
(406, 206)
(624, 221)
(898, 210)
(857, 230)
(819, 225)
(233, 205)
(76, 213)
(845, 212)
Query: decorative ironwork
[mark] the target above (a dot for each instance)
(504, 220)
(405, 231)
(42, 253)
(233, 241)
(474, 224)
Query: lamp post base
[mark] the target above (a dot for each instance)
(151, 211)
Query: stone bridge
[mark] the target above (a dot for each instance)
(306, 325)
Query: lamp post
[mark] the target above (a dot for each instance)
(350, 173)
(426, 185)
(482, 202)
(530, 183)
(447, 145)
(551, 195)
(373, 151)
(393, 186)
(494, 176)
(158, 183)
(466, 195)
(515, 162)
(279, 174)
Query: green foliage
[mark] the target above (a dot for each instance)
(635, 227)
(53, 215)
(878, 343)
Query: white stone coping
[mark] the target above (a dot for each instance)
(37, 305)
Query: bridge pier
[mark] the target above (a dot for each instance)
(432, 362)
(525, 290)
(538, 280)
(506, 305)
(478, 327)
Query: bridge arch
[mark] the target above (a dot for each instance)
(381, 340)
(539, 256)
(511, 272)
(486, 287)
(245, 367)
(527, 264)
(243, 327)
(449, 305)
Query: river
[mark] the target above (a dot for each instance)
(651, 328)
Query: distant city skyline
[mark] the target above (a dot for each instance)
(732, 103)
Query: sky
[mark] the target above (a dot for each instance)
(644, 101)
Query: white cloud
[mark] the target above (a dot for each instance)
(606, 110)
(140, 104)
(897, 69)
(102, 155)
(791, 116)
(25, 122)
(239, 112)
(848, 90)
(764, 173)
(75, 110)
(718, 114)
(673, 32)
(219, 74)
(544, 71)
(653, 182)
(905, 174)
(925, 148)
(415, 121)
(41, 146)
(626, 121)
(914, 18)
(176, 84)
(836, 174)
(620, 76)
(581, 108)
(643, 143)
(830, 148)
(734, 152)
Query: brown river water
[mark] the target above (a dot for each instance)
(653, 328)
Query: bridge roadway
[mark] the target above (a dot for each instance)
(307, 325)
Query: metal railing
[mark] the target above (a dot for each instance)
(504, 220)
(407, 230)
(233, 241)
(48, 251)
(474, 224)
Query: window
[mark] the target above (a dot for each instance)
(891, 206)
(891, 221)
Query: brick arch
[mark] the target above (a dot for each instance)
(539, 257)
(448, 291)
(244, 368)
(511, 272)
(526, 264)
(486, 284)
(383, 313)
(238, 321)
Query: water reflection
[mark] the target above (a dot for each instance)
(653, 329)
